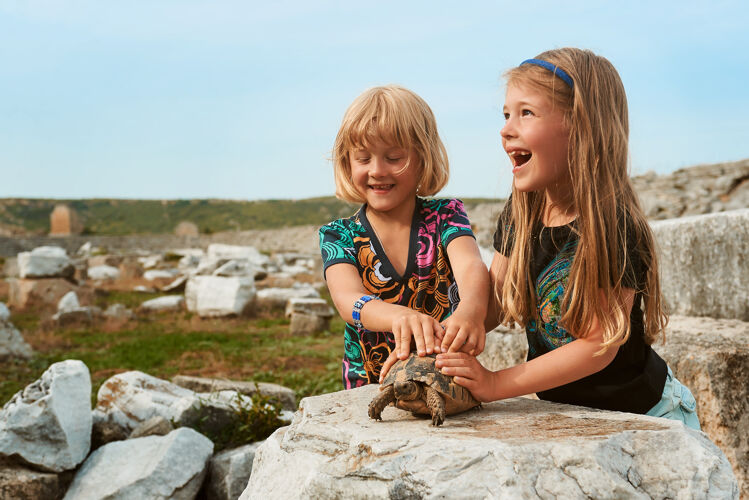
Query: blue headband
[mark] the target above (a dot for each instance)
(556, 70)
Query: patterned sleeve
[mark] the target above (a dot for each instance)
(454, 221)
(504, 236)
(336, 245)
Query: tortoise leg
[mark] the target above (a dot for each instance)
(436, 404)
(379, 402)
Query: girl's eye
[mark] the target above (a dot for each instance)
(362, 159)
(527, 112)
(507, 116)
(394, 159)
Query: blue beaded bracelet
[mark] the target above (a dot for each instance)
(356, 313)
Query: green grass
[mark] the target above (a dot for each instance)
(117, 217)
(164, 345)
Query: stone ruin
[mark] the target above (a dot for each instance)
(64, 221)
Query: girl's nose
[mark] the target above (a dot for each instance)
(508, 130)
(377, 166)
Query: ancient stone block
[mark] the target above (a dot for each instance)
(517, 448)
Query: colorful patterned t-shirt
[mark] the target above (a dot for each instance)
(427, 284)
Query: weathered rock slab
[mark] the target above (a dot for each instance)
(48, 424)
(45, 262)
(517, 448)
(153, 467)
(229, 471)
(213, 296)
(699, 279)
(711, 357)
(128, 399)
(203, 384)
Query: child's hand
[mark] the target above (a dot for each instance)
(425, 330)
(469, 373)
(388, 364)
(464, 333)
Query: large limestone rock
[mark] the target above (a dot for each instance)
(211, 296)
(128, 399)
(711, 357)
(153, 467)
(517, 448)
(308, 315)
(48, 424)
(202, 384)
(45, 262)
(229, 471)
(702, 264)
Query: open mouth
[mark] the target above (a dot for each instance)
(519, 157)
(381, 187)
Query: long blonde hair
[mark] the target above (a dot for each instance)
(398, 116)
(607, 208)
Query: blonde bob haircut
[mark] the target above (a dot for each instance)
(398, 117)
(608, 211)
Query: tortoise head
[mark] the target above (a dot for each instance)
(407, 390)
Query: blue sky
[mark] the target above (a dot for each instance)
(242, 100)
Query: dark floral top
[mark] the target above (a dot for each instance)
(427, 285)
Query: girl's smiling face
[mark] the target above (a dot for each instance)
(387, 176)
(536, 138)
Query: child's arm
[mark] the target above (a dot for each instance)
(346, 287)
(464, 329)
(497, 273)
(563, 365)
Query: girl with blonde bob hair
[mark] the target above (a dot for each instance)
(394, 268)
(575, 259)
(397, 116)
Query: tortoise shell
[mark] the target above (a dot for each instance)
(422, 369)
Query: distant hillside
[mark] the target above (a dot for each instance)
(121, 217)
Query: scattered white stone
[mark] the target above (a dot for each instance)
(4, 312)
(211, 296)
(294, 270)
(313, 306)
(160, 274)
(45, 262)
(221, 251)
(165, 303)
(229, 471)
(68, 302)
(487, 255)
(516, 448)
(189, 262)
(118, 311)
(85, 250)
(284, 395)
(103, 273)
(236, 267)
(12, 344)
(153, 467)
(150, 261)
(144, 289)
(48, 424)
(278, 297)
(177, 285)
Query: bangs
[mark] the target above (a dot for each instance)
(379, 118)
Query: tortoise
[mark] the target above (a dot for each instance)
(416, 385)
